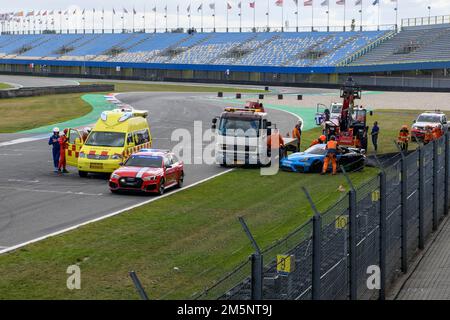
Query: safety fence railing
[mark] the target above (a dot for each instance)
(359, 246)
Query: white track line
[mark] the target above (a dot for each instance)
(22, 140)
(9, 249)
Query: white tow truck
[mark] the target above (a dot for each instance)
(242, 134)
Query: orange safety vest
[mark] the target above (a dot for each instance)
(428, 136)
(296, 133)
(280, 140)
(332, 147)
(436, 133)
(314, 142)
(403, 136)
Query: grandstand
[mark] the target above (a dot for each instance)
(289, 49)
(255, 49)
(412, 44)
(415, 56)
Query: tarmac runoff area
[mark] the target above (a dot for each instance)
(370, 99)
(36, 202)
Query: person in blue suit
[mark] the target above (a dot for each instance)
(53, 141)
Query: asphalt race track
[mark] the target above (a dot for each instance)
(23, 81)
(35, 202)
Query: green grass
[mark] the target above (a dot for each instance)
(389, 121)
(4, 86)
(161, 87)
(195, 230)
(20, 114)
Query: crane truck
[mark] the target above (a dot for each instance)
(350, 126)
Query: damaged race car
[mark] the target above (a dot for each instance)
(311, 160)
(148, 171)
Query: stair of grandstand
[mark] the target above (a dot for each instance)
(210, 49)
(64, 52)
(26, 49)
(150, 47)
(180, 47)
(235, 55)
(410, 45)
(315, 51)
(53, 41)
(16, 42)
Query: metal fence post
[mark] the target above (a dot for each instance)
(447, 172)
(138, 285)
(383, 234)
(404, 211)
(435, 184)
(257, 265)
(421, 198)
(352, 230)
(352, 245)
(316, 256)
(316, 248)
(257, 276)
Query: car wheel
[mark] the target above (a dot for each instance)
(181, 181)
(316, 167)
(82, 174)
(161, 188)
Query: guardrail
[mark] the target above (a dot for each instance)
(31, 92)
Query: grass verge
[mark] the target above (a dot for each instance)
(4, 86)
(20, 114)
(389, 121)
(195, 231)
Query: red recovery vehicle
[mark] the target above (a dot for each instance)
(350, 129)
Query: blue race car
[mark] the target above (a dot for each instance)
(312, 159)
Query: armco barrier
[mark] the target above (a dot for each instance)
(31, 92)
(381, 225)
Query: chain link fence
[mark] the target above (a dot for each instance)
(378, 227)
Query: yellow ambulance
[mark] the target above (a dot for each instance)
(116, 135)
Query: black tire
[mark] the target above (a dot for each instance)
(181, 181)
(316, 167)
(82, 174)
(161, 188)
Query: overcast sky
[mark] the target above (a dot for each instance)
(407, 8)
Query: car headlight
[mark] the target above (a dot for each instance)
(304, 160)
(116, 157)
(82, 155)
(150, 178)
(115, 176)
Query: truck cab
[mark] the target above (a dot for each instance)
(241, 136)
